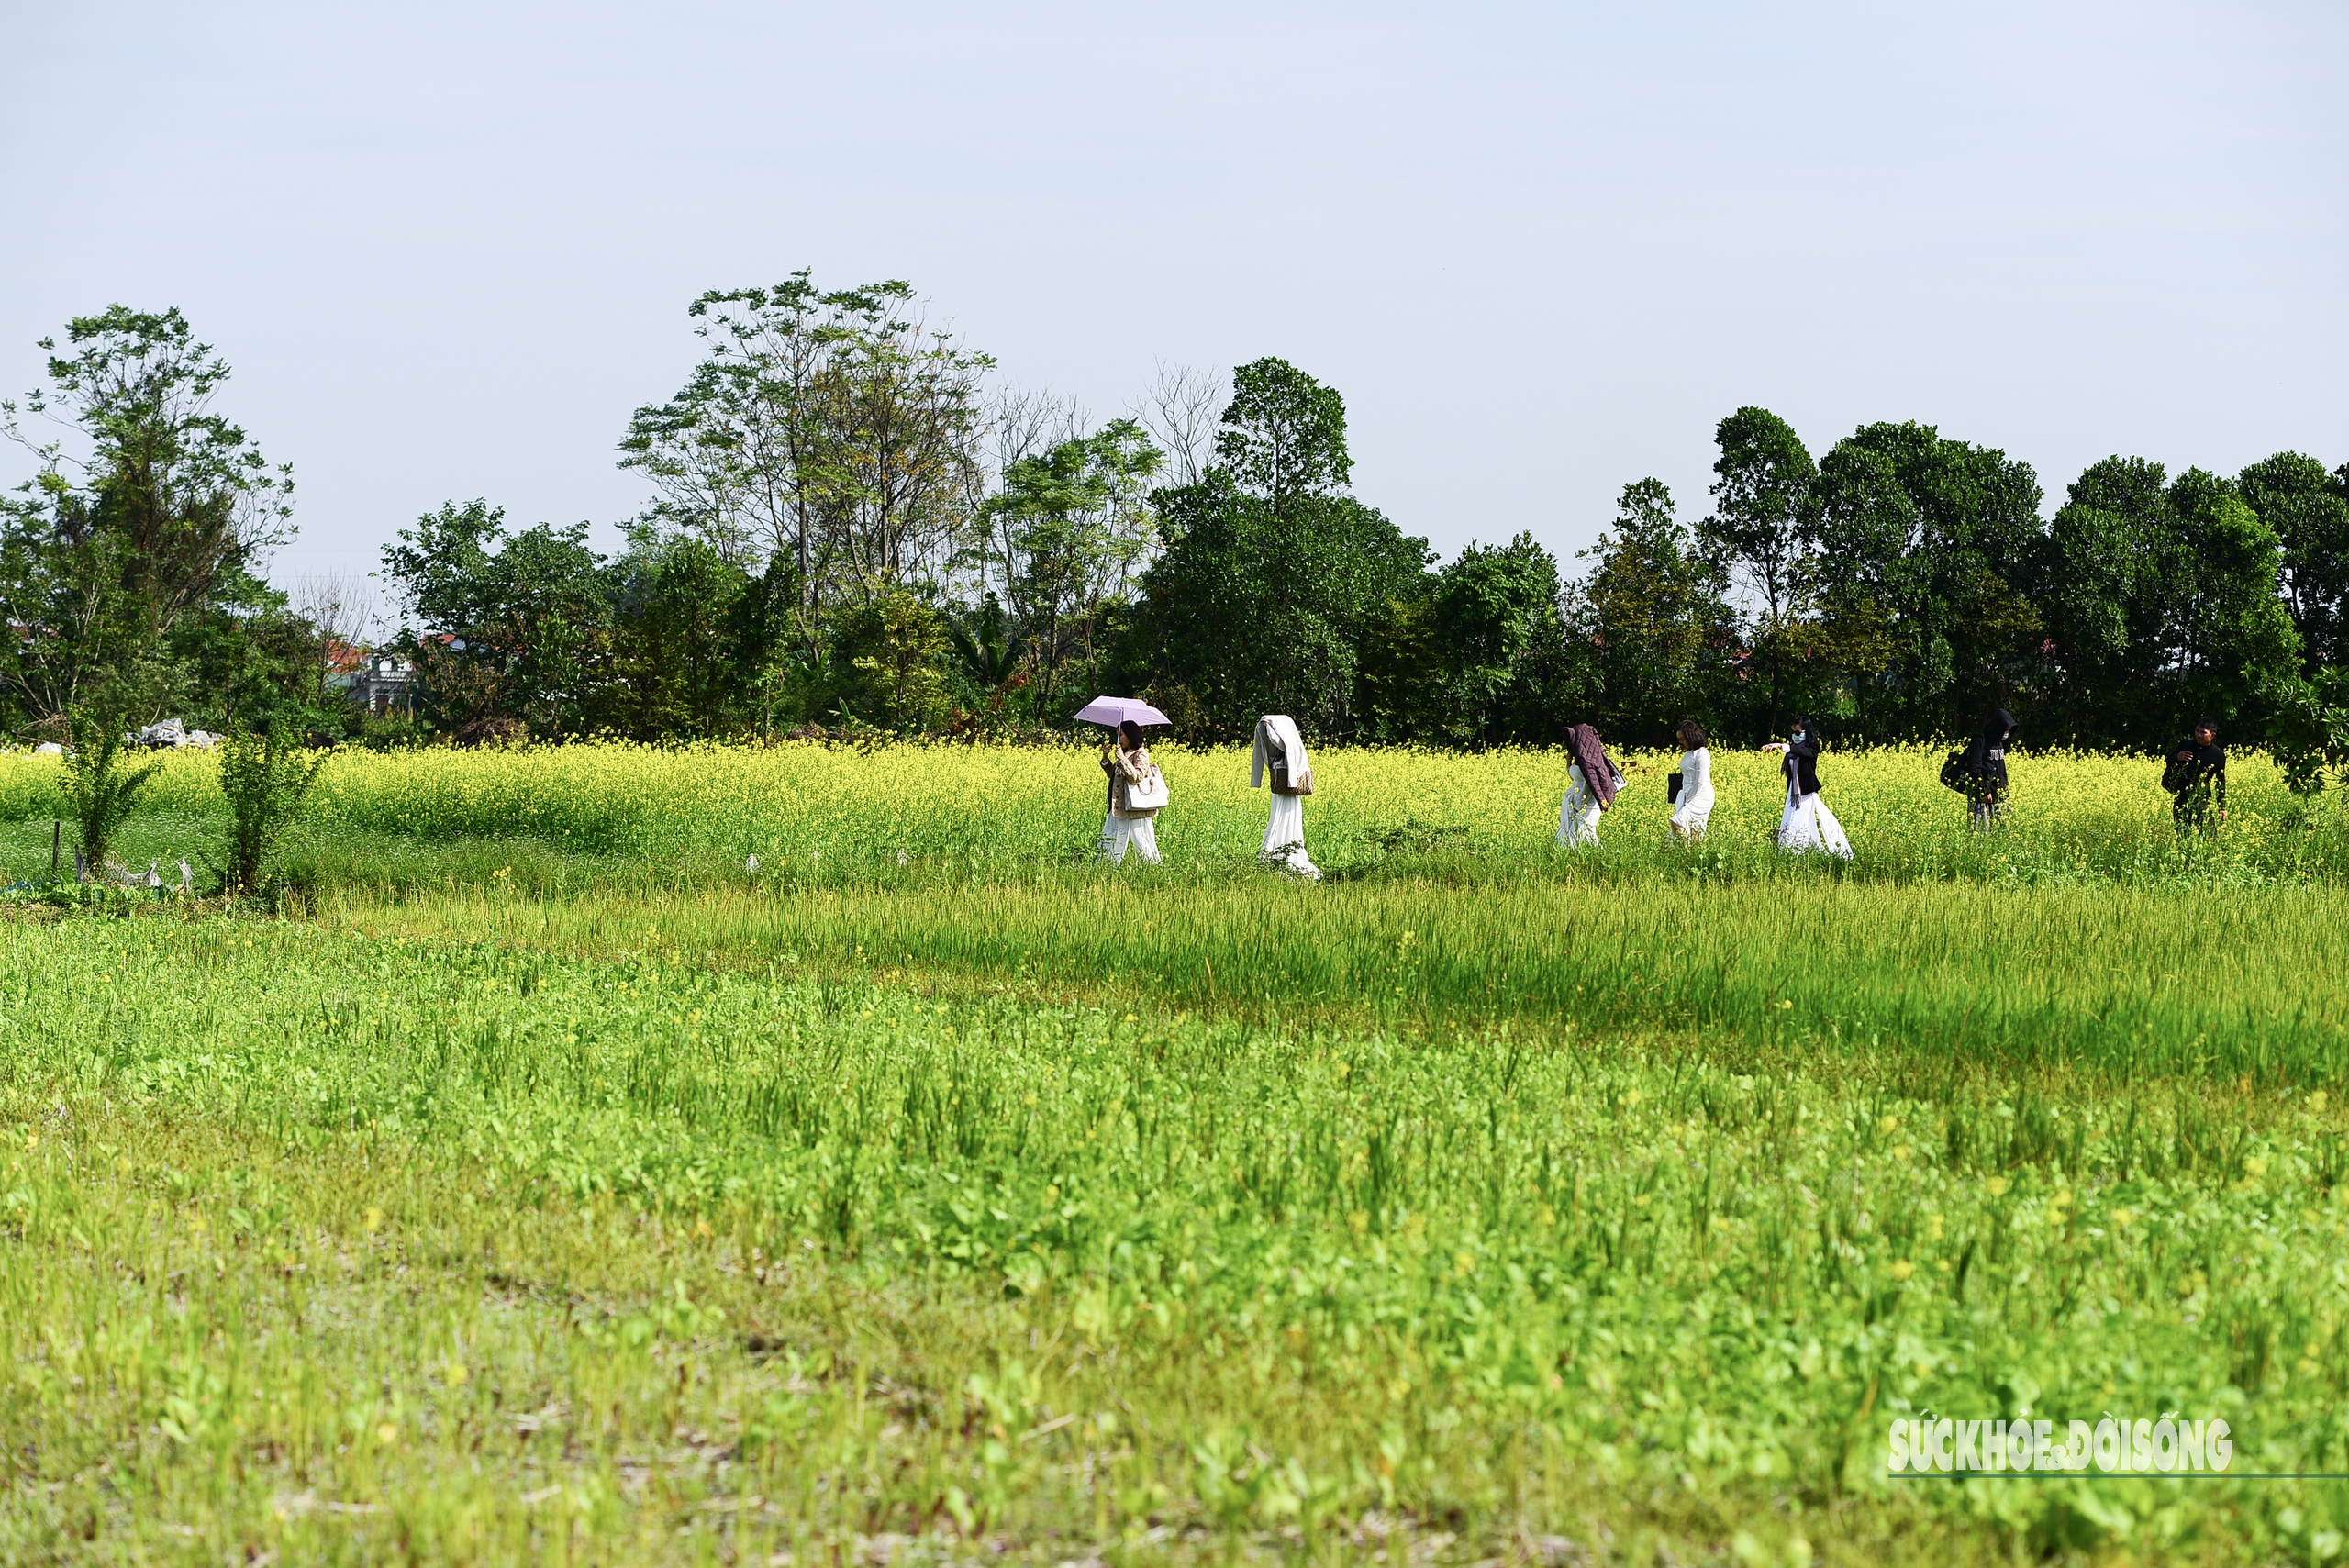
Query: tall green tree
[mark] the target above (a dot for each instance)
(2230, 635)
(1272, 572)
(831, 428)
(150, 511)
(2309, 510)
(2160, 602)
(505, 625)
(1067, 534)
(1763, 507)
(1655, 613)
(1922, 550)
(1477, 655)
(895, 646)
(676, 667)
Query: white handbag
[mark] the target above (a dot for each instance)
(1147, 793)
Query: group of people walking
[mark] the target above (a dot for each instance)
(2195, 776)
(1593, 780)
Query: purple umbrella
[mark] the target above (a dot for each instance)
(1114, 711)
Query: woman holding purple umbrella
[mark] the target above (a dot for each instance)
(1137, 789)
(1133, 801)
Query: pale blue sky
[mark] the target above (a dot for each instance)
(1540, 249)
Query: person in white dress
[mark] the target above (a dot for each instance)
(1694, 807)
(1127, 761)
(1592, 781)
(1806, 825)
(1279, 751)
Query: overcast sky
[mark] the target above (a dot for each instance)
(1540, 249)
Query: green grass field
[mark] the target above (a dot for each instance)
(523, 1195)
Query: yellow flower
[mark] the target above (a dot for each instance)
(2257, 1165)
(1995, 1187)
(2318, 1101)
(1885, 1124)
(459, 1374)
(387, 1434)
(2121, 1217)
(1902, 1268)
(372, 1220)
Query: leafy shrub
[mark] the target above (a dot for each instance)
(264, 778)
(99, 791)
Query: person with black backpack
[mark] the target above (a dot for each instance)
(1985, 770)
(2195, 777)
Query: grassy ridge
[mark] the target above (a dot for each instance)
(341, 1247)
(2127, 981)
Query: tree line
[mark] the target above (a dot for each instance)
(851, 534)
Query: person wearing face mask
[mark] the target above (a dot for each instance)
(1986, 770)
(1805, 824)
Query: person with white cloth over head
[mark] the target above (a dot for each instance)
(1805, 824)
(1279, 751)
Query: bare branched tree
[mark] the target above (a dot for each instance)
(1181, 410)
(341, 604)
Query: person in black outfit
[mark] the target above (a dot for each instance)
(1985, 768)
(2196, 778)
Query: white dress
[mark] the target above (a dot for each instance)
(1279, 744)
(1806, 825)
(1578, 813)
(1284, 836)
(1696, 805)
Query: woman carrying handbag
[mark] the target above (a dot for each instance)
(1137, 794)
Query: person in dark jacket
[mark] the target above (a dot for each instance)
(2195, 777)
(1805, 824)
(1985, 768)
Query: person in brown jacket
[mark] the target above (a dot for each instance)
(1126, 760)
